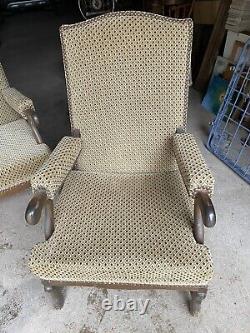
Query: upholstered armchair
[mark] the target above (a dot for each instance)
(21, 147)
(119, 193)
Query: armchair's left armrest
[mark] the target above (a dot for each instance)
(51, 176)
(47, 182)
(194, 171)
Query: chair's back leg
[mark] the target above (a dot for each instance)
(57, 294)
(195, 303)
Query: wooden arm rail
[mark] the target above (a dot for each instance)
(33, 121)
(33, 213)
(204, 214)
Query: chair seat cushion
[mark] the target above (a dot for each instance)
(132, 229)
(20, 155)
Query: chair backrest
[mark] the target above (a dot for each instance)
(127, 77)
(7, 114)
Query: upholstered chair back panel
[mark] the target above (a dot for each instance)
(6, 113)
(127, 76)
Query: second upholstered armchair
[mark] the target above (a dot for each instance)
(21, 150)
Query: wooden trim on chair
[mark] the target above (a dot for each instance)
(15, 189)
(124, 286)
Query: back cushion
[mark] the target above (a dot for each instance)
(127, 78)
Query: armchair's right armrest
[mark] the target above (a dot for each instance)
(51, 176)
(194, 171)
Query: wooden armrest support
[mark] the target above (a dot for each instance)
(204, 214)
(33, 213)
(33, 121)
(35, 207)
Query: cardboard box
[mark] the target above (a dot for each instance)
(232, 38)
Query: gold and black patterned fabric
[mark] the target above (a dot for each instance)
(124, 214)
(20, 155)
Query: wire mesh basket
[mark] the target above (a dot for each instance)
(229, 137)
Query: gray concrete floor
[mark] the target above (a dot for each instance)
(24, 308)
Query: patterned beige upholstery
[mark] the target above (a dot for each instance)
(194, 171)
(17, 101)
(20, 155)
(54, 171)
(7, 114)
(123, 228)
(3, 79)
(127, 62)
(124, 215)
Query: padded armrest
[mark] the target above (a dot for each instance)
(54, 171)
(194, 171)
(20, 103)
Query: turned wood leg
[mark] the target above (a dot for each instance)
(56, 294)
(195, 303)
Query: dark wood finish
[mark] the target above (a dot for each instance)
(56, 293)
(15, 189)
(198, 227)
(35, 207)
(204, 214)
(195, 303)
(125, 286)
(55, 288)
(39, 203)
(33, 121)
(214, 44)
(49, 225)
